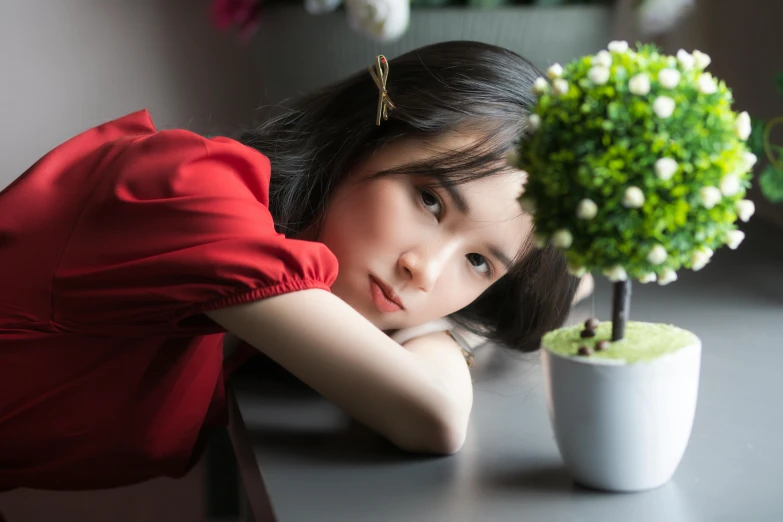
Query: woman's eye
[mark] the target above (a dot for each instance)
(431, 202)
(479, 264)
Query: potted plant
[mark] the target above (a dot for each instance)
(638, 168)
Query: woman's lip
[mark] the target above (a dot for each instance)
(388, 292)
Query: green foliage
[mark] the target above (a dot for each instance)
(598, 140)
(771, 183)
(771, 177)
(756, 139)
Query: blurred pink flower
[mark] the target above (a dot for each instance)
(244, 14)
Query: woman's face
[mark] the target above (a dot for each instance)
(411, 252)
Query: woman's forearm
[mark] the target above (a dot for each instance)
(443, 356)
(329, 346)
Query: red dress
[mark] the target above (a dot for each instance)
(111, 248)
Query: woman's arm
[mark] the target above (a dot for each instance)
(443, 355)
(418, 397)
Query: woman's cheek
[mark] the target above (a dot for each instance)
(394, 216)
(464, 287)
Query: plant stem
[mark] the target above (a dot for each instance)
(768, 145)
(621, 307)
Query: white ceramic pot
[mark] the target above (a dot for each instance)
(622, 427)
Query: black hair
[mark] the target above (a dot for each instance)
(437, 90)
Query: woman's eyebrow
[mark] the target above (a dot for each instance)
(501, 256)
(462, 205)
(456, 196)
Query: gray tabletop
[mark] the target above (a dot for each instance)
(302, 459)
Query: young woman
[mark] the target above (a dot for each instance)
(127, 252)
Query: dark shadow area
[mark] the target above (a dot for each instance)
(356, 445)
(350, 444)
(554, 478)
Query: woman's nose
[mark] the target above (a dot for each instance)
(423, 267)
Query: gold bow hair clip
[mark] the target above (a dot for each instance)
(380, 75)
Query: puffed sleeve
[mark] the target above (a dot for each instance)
(177, 225)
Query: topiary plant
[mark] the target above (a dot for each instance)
(637, 166)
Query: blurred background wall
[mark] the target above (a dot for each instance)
(67, 65)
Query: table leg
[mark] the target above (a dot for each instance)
(255, 503)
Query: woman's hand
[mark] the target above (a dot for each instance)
(418, 397)
(585, 288)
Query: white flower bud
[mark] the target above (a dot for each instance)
(539, 240)
(587, 209)
(658, 16)
(528, 204)
(749, 160)
(710, 196)
(706, 84)
(519, 189)
(381, 20)
(562, 239)
(616, 273)
(648, 278)
(533, 122)
(667, 276)
(663, 106)
(574, 270)
(657, 255)
(639, 84)
(560, 86)
(540, 86)
(742, 125)
(633, 197)
(701, 60)
(745, 209)
(665, 168)
(700, 258)
(603, 59)
(669, 78)
(734, 238)
(618, 46)
(555, 71)
(598, 74)
(730, 184)
(686, 59)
